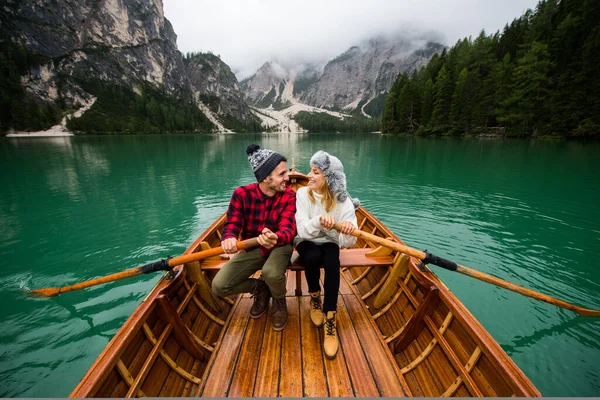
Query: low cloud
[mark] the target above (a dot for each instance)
(247, 33)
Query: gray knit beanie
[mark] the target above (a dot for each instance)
(334, 175)
(263, 161)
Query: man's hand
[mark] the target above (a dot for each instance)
(229, 246)
(267, 239)
(327, 221)
(347, 228)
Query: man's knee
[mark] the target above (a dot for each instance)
(218, 287)
(274, 268)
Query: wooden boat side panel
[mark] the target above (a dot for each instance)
(159, 371)
(94, 379)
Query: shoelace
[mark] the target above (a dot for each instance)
(277, 305)
(329, 327)
(260, 293)
(315, 304)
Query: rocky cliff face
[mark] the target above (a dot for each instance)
(348, 82)
(278, 86)
(213, 83)
(128, 43)
(122, 42)
(363, 72)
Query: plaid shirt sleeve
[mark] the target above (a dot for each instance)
(287, 220)
(235, 216)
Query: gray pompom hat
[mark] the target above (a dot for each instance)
(263, 161)
(333, 169)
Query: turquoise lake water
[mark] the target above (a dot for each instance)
(77, 208)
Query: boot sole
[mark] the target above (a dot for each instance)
(259, 315)
(280, 328)
(330, 357)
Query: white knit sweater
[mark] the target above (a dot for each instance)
(307, 219)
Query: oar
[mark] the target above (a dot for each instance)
(161, 265)
(428, 258)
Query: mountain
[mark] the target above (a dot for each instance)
(65, 54)
(364, 73)
(356, 81)
(213, 85)
(277, 86)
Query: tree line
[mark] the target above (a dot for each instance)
(323, 122)
(539, 77)
(119, 110)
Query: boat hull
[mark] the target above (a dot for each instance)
(402, 333)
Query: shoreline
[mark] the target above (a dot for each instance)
(59, 130)
(52, 132)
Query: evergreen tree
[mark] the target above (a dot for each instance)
(427, 104)
(464, 101)
(529, 89)
(444, 88)
(407, 108)
(389, 121)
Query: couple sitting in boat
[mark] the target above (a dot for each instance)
(274, 213)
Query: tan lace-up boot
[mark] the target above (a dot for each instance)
(316, 312)
(330, 343)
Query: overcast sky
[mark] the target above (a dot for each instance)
(247, 33)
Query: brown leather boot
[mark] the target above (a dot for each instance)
(261, 294)
(316, 312)
(330, 343)
(279, 314)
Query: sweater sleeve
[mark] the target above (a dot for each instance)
(235, 217)
(348, 214)
(287, 222)
(308, 226)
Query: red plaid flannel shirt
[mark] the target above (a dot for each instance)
(250, 211)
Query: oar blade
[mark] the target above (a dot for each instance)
(587, 313)
(46, 292)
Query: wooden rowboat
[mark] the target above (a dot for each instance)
(402, 333)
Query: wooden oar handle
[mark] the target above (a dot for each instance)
(384, 242)
(161, 265)
(201, 255)
(424, 256)
(428, 258)
(167, 264)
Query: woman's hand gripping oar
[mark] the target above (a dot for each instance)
(428, 258)
(161, 265)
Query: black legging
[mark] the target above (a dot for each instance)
(312, 256)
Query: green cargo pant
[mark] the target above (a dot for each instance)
(234, 276)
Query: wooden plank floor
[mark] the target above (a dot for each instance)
(255, 361)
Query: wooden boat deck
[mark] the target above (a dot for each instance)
(255, 361)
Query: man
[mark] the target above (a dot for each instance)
(266, 210)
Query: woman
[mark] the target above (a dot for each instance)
(318, 206)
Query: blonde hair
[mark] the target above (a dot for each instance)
(328, 196)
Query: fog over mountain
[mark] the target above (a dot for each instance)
(247, 34)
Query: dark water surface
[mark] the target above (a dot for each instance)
(77, 208)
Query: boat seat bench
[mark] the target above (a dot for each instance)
(348, 258)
